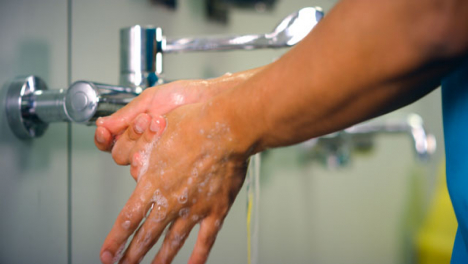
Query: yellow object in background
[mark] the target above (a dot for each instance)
(435, 239)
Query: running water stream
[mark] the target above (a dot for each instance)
(253, 203)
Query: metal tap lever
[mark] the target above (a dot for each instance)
(335, 149)
(142, 48)
(289, 31)
(31, 106)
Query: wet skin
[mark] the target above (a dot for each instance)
(138, 135)
(364, 59)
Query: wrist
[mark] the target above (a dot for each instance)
(245, 129)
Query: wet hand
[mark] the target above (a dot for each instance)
(189, 174)
(161, 100)
(154, 101)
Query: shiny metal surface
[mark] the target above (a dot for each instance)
(138, 54)
(290, 31)
(21, 116)
(335, 150)
(31, 107)
(142, 47)
(81, 101)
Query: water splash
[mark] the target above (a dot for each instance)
(253, 200)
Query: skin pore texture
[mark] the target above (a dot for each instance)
(188, 142)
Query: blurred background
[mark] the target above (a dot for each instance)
(59, 195)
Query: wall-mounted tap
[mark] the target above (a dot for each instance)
(142, 48)
(335, 150)
(30, 106)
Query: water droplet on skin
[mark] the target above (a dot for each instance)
(184, 212)
(178, 99)
(148, 212)
(119, 254)
(217, 223)
(126, 224)
(154, 126)
(177, 239)
(147, 238)
(136, 160)
(194, 200)
(190, 180)
(184, 196)
(161, 206)
(159, 216)
(194, 218)
(194, 172)
(128, 215)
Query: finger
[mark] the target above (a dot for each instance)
(138, 126)
(135, 168)
(103, 139)
(146, 236)
(174, 240)
(121, 152)
(120, 120)
(158, 218)
(127, 221)
(209, 229)
(156, 128)
(142, 149)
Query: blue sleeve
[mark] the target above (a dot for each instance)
(455, 114)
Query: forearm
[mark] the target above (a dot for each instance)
(230, 80)
(364, 59)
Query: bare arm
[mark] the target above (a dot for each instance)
(364, 59)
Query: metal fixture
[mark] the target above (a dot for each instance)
(142, 48)
(335, 150)
(30, 106)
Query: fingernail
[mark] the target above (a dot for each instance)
(139, 127)
(107, 257)
(155, 123)
(100, 138)
(141, 124)
(100, 121)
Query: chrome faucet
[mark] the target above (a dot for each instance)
(30, 106)
(335, 150)
(142, 48)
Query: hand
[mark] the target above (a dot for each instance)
(161, 100)
(154, 101)
(187, 175)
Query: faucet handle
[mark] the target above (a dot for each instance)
(288, 32)
(86, 101)
(31, 106)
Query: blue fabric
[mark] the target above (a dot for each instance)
(455, 113)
